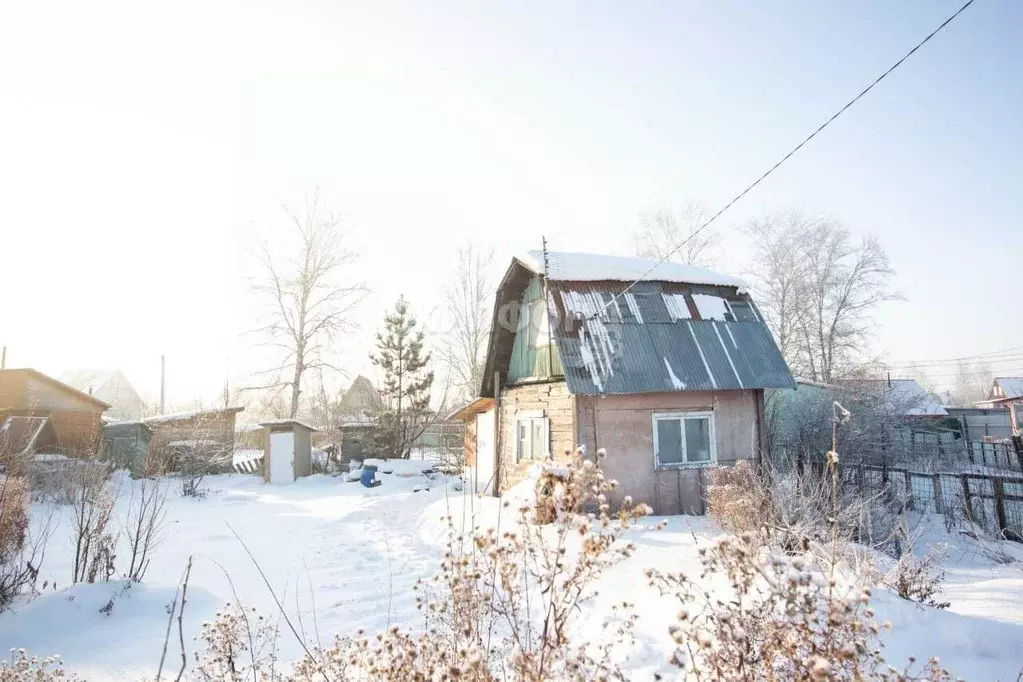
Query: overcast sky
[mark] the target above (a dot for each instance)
(145, 150)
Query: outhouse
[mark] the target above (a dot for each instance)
(287, 451)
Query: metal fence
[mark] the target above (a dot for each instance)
(993, 502)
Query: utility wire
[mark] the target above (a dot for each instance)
(785, 158)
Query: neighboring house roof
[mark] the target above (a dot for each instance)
(361, 398)
(904, 397)
(87, 379)
(22, 373)
(25, 435)
(1011, 387)
(691, 330)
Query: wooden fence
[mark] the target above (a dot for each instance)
(992, 502)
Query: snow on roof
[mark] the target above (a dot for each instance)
(905, 397)
(1012, 387)
(585, 267)
(288, 422)
(176, 416)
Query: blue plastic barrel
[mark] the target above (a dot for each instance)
(368, 477)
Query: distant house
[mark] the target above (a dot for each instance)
(667, 375)
(902, 411)
(110, 386)
(1007, 393)
(902, 398)
(76, 416)
(359, 406)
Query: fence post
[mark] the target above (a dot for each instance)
(969, 450)
(938, 506)
(1003, 525)
(909, 489)
(967, 504)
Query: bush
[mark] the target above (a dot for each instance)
(240, 644)
(781, 619)
(92, 507)
(919, 579)
(21, 668)
(17, 574)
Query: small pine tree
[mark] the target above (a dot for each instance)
(406, 384)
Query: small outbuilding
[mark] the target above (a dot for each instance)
(288, 451)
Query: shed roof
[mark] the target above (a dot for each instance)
(658, 336)
(288, 422)
(22, 373)
(182, 416)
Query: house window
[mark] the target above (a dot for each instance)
(684, 439)
(532, 439)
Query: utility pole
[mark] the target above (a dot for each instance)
(3, 358)
(163, 379)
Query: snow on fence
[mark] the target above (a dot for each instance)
(990, 501)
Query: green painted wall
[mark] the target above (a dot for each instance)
(531, 350)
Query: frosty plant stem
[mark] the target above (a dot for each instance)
(280, 607)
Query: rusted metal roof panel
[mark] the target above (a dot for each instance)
(646, 343)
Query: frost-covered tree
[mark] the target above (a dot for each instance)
(676, 236)
(406, 385)
(310, 299)
(818, 289)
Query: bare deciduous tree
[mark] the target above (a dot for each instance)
(818, 289)
(659, 234)
(311, 302)
(147, 511)
(324, 404)
(972, 383)
(469, 301)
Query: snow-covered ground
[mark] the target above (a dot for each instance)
(343, 557)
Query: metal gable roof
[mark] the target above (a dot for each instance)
(649, 340)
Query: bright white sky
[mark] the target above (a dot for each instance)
(145, 150)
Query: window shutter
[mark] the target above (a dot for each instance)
(547, 436)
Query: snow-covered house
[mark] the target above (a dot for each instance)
(110, 386)
(667, 374)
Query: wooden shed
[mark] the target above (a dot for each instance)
(287, 451)
(76, 416)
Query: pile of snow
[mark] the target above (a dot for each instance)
(590, 267)
(400, 467)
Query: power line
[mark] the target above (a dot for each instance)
(785, 158)
(990, 355)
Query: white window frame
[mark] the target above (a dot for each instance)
(682, 416)
(529, 419)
